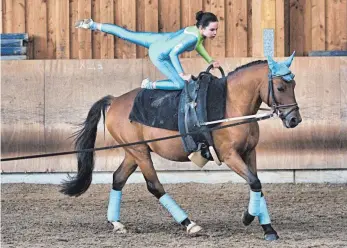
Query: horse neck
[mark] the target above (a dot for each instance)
(244, 90)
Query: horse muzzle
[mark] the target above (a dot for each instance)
(291, 118)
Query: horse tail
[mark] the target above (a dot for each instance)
(84, 139)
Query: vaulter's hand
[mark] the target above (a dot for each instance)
(215, 64)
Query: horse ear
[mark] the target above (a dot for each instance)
(289, 61)
(271, 62)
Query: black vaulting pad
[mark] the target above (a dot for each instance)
(159, 108)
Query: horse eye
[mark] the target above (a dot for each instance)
(280, 88)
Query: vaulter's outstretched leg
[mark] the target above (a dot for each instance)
(144, 39)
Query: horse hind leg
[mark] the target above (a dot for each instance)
(143, 159)
(120, 176)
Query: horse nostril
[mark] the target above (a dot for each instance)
(293, 122)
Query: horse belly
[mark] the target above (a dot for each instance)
(171, 149)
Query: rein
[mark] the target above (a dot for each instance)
(246, 117)
(254, 119)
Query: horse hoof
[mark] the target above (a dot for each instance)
(193, 228)
(271, 237)
(247, 218)
(118, 227)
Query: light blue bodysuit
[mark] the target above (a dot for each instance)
(164, 49)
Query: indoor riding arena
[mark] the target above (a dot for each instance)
(77, 171)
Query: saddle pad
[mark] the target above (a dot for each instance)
(159, 108)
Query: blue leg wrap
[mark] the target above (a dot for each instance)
(113, 211)
(264, 217)
(176, 211)
(254, 203)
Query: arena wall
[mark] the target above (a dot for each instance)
(42, 101)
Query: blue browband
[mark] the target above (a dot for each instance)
(287, 77)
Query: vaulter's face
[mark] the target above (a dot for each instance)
(211, 30)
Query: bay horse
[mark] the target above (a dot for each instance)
(247, 87)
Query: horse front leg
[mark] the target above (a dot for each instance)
(263, 215)
(257, 207)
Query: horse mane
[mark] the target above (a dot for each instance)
(257, 62)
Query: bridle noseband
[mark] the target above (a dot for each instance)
(276, 108)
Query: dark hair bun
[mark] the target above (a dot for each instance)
(205, 18)
(198, 15)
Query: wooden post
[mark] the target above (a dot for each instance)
(19, 21)
(129, 22)
(218, 44)
(36, 26)
(236, 27)
(188, 11)
(96, 36)
(84, 36)
(336, 22)
(268, 28)
(7, 15)
(280, 28)
(63, 33)
(318, 25)
(107, 13)
(268, 25)
(257, 37)
(51, 30)
(125, 16)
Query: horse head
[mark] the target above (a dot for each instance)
(281, 95)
